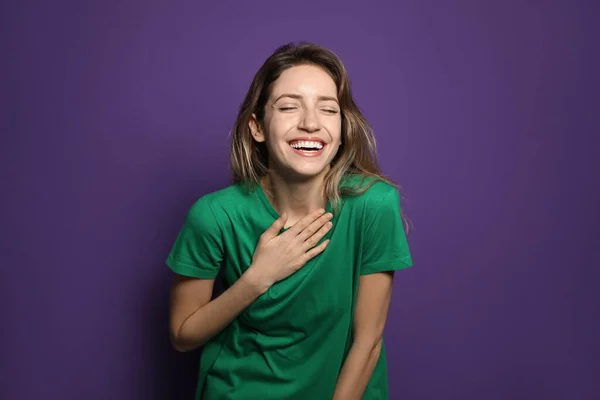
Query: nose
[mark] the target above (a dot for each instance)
(309, 121)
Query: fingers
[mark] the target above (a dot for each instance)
(318, 229)
(275, 227)
(315, 251)
(306, 221)
(313, 228)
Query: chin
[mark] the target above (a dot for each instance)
(307, 172)
(305, 169)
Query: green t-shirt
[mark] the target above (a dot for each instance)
(292, 341)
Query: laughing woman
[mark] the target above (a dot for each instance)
(306, 239)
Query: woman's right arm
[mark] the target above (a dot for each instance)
(195, 318)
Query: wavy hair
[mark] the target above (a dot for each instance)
(357, 154)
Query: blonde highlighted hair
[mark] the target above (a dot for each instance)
(356, 156)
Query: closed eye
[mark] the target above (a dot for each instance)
(328, 110)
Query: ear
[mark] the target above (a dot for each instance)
(256, 129)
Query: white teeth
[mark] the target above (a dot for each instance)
(304, 144)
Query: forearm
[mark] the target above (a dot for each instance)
(357, 370)
(211, 318)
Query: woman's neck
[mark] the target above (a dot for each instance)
(296, 199)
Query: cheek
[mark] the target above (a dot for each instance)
(275, 135)
(278, 127)
(336, 132)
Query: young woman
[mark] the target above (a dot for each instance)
(306, 239)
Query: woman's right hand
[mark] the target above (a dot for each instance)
(277, 256)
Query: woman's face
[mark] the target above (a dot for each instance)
(302, 124)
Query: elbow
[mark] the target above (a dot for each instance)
(182, 344)
(179, 347)
(370, 343)
(370, 339)
(175, 338)
(375, 344)
(377, 347)
(373, 349)
(176, 343)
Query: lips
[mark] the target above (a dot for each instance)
(307, 139)
(308, 147)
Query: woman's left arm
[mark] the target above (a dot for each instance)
(370, 313)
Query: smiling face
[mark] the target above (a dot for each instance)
(302, 123)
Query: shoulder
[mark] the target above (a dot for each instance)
(381, 192)
(371, 192)
(231, 196)
(376, 203)
(209, 208)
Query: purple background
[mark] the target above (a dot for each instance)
(116, 117)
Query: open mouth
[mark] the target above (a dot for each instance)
(308, 147)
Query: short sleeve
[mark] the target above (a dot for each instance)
(198, 248)
(385, 247)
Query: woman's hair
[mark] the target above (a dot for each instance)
(357, 153)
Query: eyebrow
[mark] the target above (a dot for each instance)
(297, 96)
